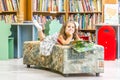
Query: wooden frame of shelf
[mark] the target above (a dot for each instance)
(85, 30)
(49, 13)
(88, 12)
(8, 12)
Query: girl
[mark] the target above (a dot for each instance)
(67, 34)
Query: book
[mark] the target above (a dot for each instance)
(111, 14)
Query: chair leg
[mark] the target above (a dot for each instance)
(28, 66)
(97, 74)
(65, 75)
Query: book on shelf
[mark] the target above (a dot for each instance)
(49, 5)
(95, 8)
(9, 18)
(9, 5)
(88, 35)
(86, 21)
(15, 4)
(44, 19)
(1, 8)
(99, 5)
(85, 5)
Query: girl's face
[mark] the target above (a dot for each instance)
(70, 28)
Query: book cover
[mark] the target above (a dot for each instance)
(111, 14)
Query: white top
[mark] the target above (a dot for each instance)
(47, 44)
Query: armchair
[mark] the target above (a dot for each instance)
(64, 60)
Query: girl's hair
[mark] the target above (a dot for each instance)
(62, 31)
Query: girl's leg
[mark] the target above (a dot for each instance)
(39, 28)
(41, 35)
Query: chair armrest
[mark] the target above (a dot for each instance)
(30, 52)
(63, 46)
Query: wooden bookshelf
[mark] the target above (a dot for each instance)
(9, 10)
(90, 30)
(87, 13)
(52, 8)
(26, 10)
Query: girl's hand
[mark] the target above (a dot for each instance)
(69, 34)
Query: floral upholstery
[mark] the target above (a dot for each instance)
(64, 59)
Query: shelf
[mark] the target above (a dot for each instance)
(90, 30)
(22, 24)
(8, 12)
(85, 12)
(46, 12)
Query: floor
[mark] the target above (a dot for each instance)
(14, 69)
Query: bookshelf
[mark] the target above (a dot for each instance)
(87, 13)
(9, 10)
(25, 9)
(44, 10)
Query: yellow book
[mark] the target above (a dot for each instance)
(95, 5)
(7, 5)
(10, 5)
(99, 6)
(64, 4)
(0, 6)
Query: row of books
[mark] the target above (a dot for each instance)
(49, 5)
(9, 5)
(44, 19)
(85, 5)
(88, 35)
(86, 21)
(9, 18)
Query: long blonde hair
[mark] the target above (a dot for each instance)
(62, 31)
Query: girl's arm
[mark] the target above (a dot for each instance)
(77, 37)
(63, 41)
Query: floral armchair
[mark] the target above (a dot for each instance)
(65, 60)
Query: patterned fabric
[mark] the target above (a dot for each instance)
(47, 44)
(64, 59)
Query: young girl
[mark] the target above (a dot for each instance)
(67, 34)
